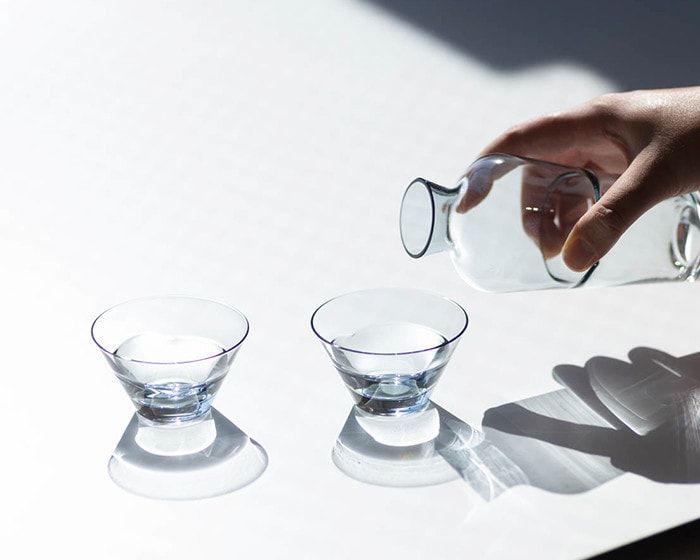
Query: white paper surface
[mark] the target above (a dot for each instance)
(255, 153)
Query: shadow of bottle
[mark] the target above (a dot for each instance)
(201, 460)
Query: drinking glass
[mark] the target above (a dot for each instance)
(390, 345)
(171, 353)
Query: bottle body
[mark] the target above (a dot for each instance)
(506, 222)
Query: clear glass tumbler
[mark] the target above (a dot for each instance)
(390, 345)
(170, 354)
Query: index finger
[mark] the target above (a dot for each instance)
(556, 138)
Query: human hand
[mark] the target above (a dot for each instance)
(643, 145)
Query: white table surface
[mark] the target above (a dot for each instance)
(255, 153)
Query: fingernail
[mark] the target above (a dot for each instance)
(579, 254)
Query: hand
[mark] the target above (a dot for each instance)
(644, 145)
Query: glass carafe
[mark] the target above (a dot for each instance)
(505, 223)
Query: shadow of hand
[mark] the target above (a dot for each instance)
(644, 415)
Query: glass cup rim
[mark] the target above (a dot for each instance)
(180, 297)
(424, 292)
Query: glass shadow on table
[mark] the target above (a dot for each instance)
(611, 417)
(424, 449)
(208, 458)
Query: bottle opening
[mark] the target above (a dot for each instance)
(417, 218)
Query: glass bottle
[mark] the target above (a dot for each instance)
(505, 223)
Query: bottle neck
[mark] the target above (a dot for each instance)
(425, 210)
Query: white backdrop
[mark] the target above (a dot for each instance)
(255, 153)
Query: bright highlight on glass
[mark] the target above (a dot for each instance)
(390, 345)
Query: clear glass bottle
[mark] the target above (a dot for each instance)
(506, 221)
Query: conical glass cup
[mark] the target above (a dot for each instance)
(390, 345)
(170, 354)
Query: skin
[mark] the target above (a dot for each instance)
(643, 145)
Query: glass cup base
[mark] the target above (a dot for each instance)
(393, 407)
(171, 415)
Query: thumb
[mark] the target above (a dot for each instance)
(643, 184)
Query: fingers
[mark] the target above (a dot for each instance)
(586, 136)
(548, 137)
(551, 205)
(481, 177)
(641, 186)
(543, 138)
(480, 185)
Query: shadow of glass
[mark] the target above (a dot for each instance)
(206, 459)
(613, 39)
(641, 416)
(429, 448)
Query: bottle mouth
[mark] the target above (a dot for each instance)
(417, 219)
(424, 215)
